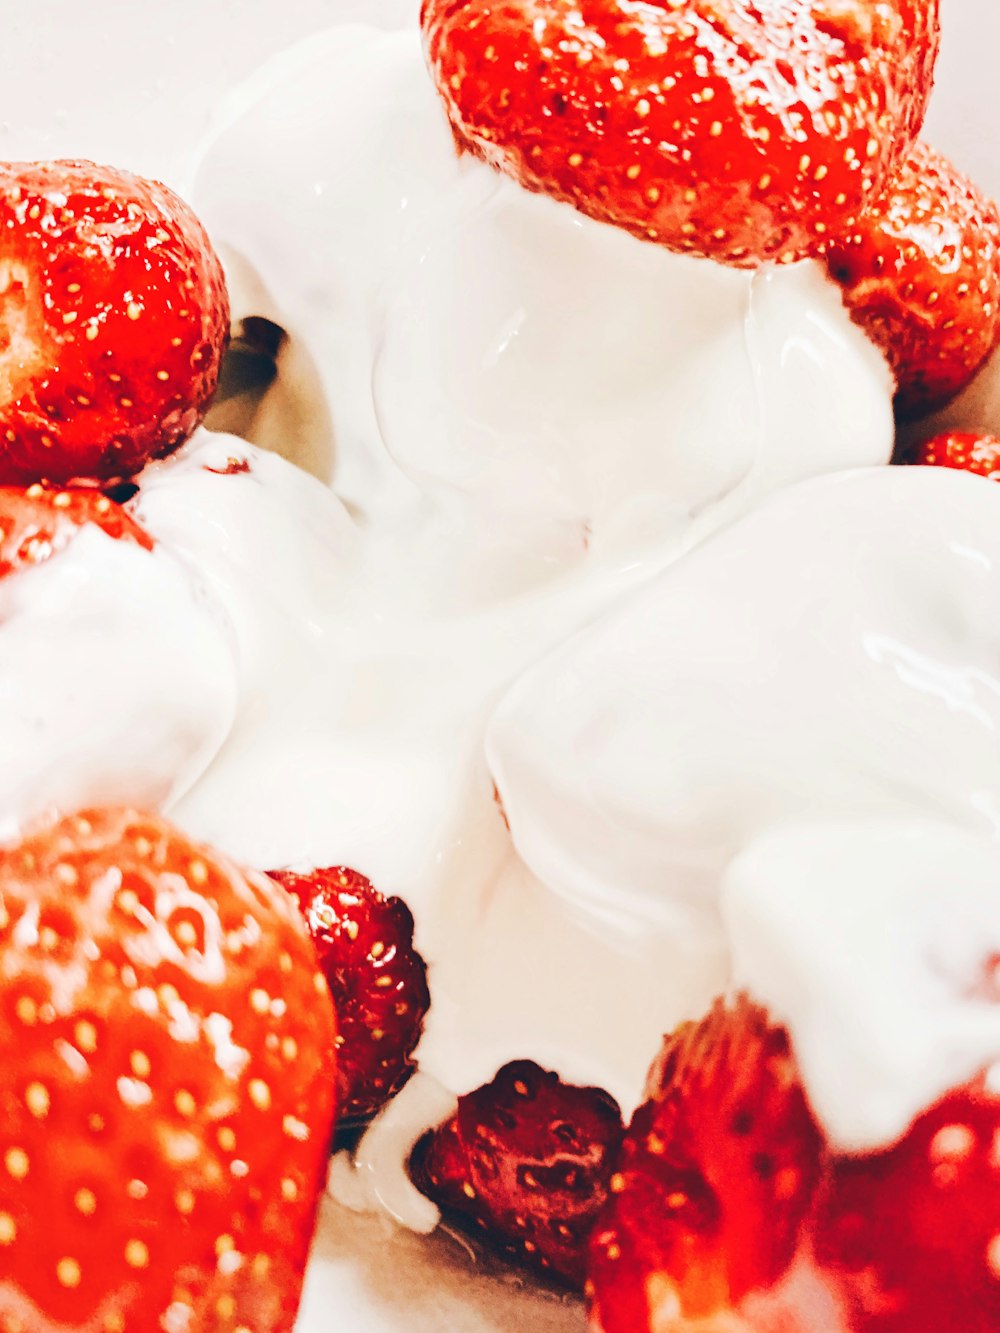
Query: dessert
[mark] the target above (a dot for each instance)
(531, 652)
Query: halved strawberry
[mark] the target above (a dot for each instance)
(963, 450)
(364, 942)
(739, 130)
(113, 319)
(528, 1159)
(166, 1087)
(38, 522)
(730, 1209)
(920, 269)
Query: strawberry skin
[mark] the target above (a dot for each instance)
(731, 1210)
(38, 522)
(166, 1088)
(920, 272)
(740, 131)
(527, 1158)
(963, 450)
(364, 942)
(113, 319)
(718, 1170)
(910, 1235)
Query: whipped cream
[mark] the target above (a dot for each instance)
(832, 656)
(118, 680)
(876, 942)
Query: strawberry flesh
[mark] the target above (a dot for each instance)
(527, 1159)
(113, 319)
(166, 1088)
(37, 523)
(364, 942)
(739, 131)
(920, 272)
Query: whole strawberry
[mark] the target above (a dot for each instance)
(920, 271)
(965, 451)
(364, 942)
(528, 1159)
(166, 1087)
(113, 319)
(730, 1208)
(743, 130)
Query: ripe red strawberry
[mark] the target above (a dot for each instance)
(717, 1172)
(166, 1086)
(364, 942)
(920, 271)
(731, 1209)
(37, 522)
(527, 1158)
(910, 1236)
(113, 318)
(965, 451)
(739, 130)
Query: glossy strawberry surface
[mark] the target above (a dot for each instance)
(743, 130)
(113, 319)
(920, 271)
(364, 942)
(527, 1159)
(166, 1092)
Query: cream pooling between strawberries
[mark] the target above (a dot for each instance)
(743, 696)
(106, 638)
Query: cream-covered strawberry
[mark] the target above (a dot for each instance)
(167, 1083)
(730, 1208)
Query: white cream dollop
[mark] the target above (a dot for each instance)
(876, 943)
(117, 680)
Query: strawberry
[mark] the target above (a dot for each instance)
(910, 1235)
(965, 451)
(364, 942)
(527, 1158)
(730, 1208)
(920, 272)
(38, 522)
(166, 1087)
(113, 319)
(742, 130)
(718, 1170)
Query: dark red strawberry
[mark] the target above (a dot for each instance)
(966, 451)
(166, 1086)
(113, 319)
(730, 1208)
(528, 1159)
(37, 522)
(920, 271)
(743, 130)
(378, 980)
(717, 1173)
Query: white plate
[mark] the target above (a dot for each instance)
(133, 83)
